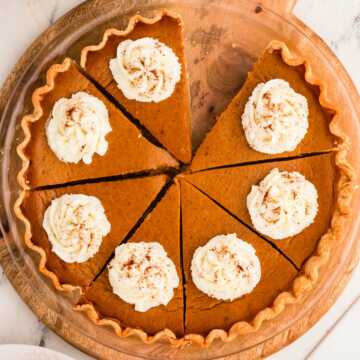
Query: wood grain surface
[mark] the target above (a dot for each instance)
(73, 31)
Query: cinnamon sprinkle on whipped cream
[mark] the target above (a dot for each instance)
(77, 128)
(145, 69)
(142, 274)
(75, 225)
(275, 119)
(283, 204)
(226, 267)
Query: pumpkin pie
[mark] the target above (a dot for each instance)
(226, 143)
(167, 120)
(202, 220)
(207, 201)
(124, 203)
(128, 150)
(162, 225)
(231, 186)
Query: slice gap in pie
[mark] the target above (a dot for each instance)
(231, 186)
(202, 220)
(226, 144)
(124, 203)
(167, 120)
(128, 151)
(162, 225)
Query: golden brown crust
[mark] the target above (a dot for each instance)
(309, 276)
(27, 120)
(37, 113)
(131, 25)
(176, 107)
(89, 309)
(43, 258)
(97, 319)
(345, 188)
(302, 284)
(124, 139)
(25, 124)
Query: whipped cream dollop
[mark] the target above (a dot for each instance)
(145, 69)
(75, 225)
(226, 267)
(275, 119)
(143, 275)
(283, 204)
(77, 128)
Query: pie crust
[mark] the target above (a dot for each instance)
(99, 302)
(128, 151)
(226, 143)
(345, 188)
(302, 284)
(168, 117)
(124, 202)
(203, 219)
(231, 186)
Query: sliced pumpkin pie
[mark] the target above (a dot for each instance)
(76, 133)
(276, 114)
(144, 69)
(262, 275)
(161, 226)
(75, 229)
(295, 224)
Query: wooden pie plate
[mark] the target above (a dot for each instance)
(231, 33)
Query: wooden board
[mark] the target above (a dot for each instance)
(211, 43)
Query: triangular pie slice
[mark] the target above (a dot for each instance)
(124, 202)
(128, 150)
(161, 225)
(167, 120)
(202, 219)
(230, 187)
(226, 144)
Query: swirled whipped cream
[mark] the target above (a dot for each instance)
(75, 225)
(275, 118)
(226, 267)
(77, 128)
(283, 204)
(142, 274)
(145, 69)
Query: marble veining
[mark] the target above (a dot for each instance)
(2, 276)
(337, 22)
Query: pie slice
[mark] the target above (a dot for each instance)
(202, 219)
(128, 151)
(161, 225)
(230, 187)
(167, 120)
(226, 144)
(124, 202)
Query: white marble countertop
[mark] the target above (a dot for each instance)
(338, 23)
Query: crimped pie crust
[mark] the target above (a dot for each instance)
(36, 115)
(26, 120)
(129, 152)
(168, 208)
(227, 143)
(230, 186)
(179, 121)
(304, 282)
(131, 25)
(311, 270)
(122, 212)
